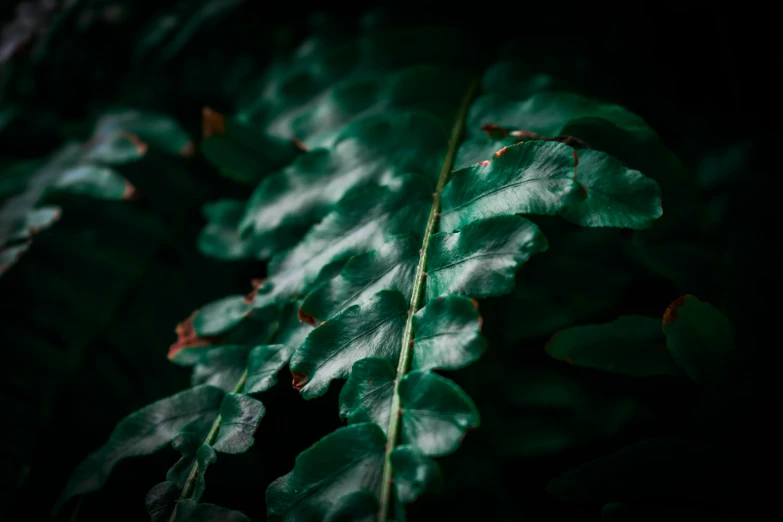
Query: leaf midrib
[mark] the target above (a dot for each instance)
(418, 291)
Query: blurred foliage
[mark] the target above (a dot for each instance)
(90, 310)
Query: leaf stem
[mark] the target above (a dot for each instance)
(418, 290)
(190, 484)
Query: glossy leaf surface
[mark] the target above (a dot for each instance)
(435, 412)
(481, 259)
(350, 459)
(145, 432)
(447, 334)
(373, 329)
(414, 473)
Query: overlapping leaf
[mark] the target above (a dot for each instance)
(387, 255)
(692, 339)
(191, 412)
(481, 246)
(315, 102)
(118, 138)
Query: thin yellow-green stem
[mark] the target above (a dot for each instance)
(418, 290)
(190, 484)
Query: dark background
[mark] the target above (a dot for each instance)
(702, 77)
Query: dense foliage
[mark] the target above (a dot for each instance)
(424, 203)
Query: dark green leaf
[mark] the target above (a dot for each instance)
(219, 316)
(189, 511)
(93, 180)
(244, 154)
(481, 259)
(10, 255)
(33, 222)
(144, 432)
(204, 456)
(371, 329)
(163, 499)
(239, 418)
(114, 149)
(263, 364)
(436, 413)
(616, 196)
(359, 223)
(699, 337)
(221, 367)
(193, 452)
(632, 344)
(360, 506)
(371, 151)
(414, 473)
(534, 177)
(367, 395)
(348, 460)
(390, 267)
(220, 237)
(447, 334)
(158, 130)
(547, 113)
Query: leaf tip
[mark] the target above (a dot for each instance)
(129, 192)
(299, 144)
(494, 131)
(304, 317)
(188, 149)
(187, 337)
(256, 283)
(298, 380)
(671, 314)
(213, 123)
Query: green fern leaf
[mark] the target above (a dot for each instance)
(380, 243)
(366, 194)
(192, 411)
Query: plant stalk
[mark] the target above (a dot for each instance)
(418, 290)
(190, 484)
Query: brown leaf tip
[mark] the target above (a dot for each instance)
(298, 380)
(671, 314)
(550, 341)
(500, 152)
(304, 317)
(188, 338)
(16, 258)
(256, 284)
(494, 131)
(130, 191)
(188, 149)
(213, 123)
(141, 147)
(300, 144)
